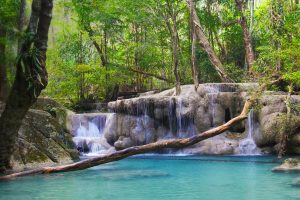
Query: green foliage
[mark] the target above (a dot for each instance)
(135, 34)
(278, 31)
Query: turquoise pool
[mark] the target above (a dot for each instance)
(170, 178)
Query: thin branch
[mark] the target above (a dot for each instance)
(150, 74)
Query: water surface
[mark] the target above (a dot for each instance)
(172, 178)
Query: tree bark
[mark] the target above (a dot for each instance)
(21, 21)
(171, 21)
(175, 58)
(97, 46)
(193, 56)
(205, 44)
(194, 64)
(31, 78)
(4, 89)
(250, 57)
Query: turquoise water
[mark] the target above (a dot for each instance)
(172, 178)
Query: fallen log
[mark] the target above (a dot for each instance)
(118, 155)
(172, 143)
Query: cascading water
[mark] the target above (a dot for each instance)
(179, 116)
(179, 127)
(212, 93)
(247, 146)
(88, 133)
(176, 118)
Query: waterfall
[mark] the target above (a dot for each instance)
(88, 133)
(179, 125)
(212, 94)
(247, 146)
(179, 117)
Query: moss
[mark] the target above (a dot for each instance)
(33, 155)
(292, 162)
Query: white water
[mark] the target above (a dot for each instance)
(89, 134)
(212, 93)
(247, 146)
(89, 138)
(179, 117)
(178, 126)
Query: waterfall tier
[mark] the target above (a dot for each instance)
(87, 131)
(157, 116)
(247, 146)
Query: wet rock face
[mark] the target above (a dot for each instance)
(210, 106)
(123, 130)
(43, 139)
(197, 111)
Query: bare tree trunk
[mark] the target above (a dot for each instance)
(21, 21)
(193, 56)
(170, 17)
(205, 44)
(175, 59)
(194, 64)
(252, 6)
(250, 57)
(31, 78)
(4, 89)
(99, 49)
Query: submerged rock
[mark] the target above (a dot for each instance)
(296, 182)
(289, 165)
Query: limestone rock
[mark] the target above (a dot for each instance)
(123, 142)
(42, 139)
(193, 111)
(289, 165)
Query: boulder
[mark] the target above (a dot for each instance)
(62, 114)
(123, 142)
(42, 138)
(141, 130)
(42, 141)
(296, 182)
(289, 165)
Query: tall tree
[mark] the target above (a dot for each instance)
(3, 75)
(195, 73)
(21, 20)
(171, 12)
(250, 57)
(31, 78)
(206, 45)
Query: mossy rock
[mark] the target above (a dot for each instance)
(43, 140)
